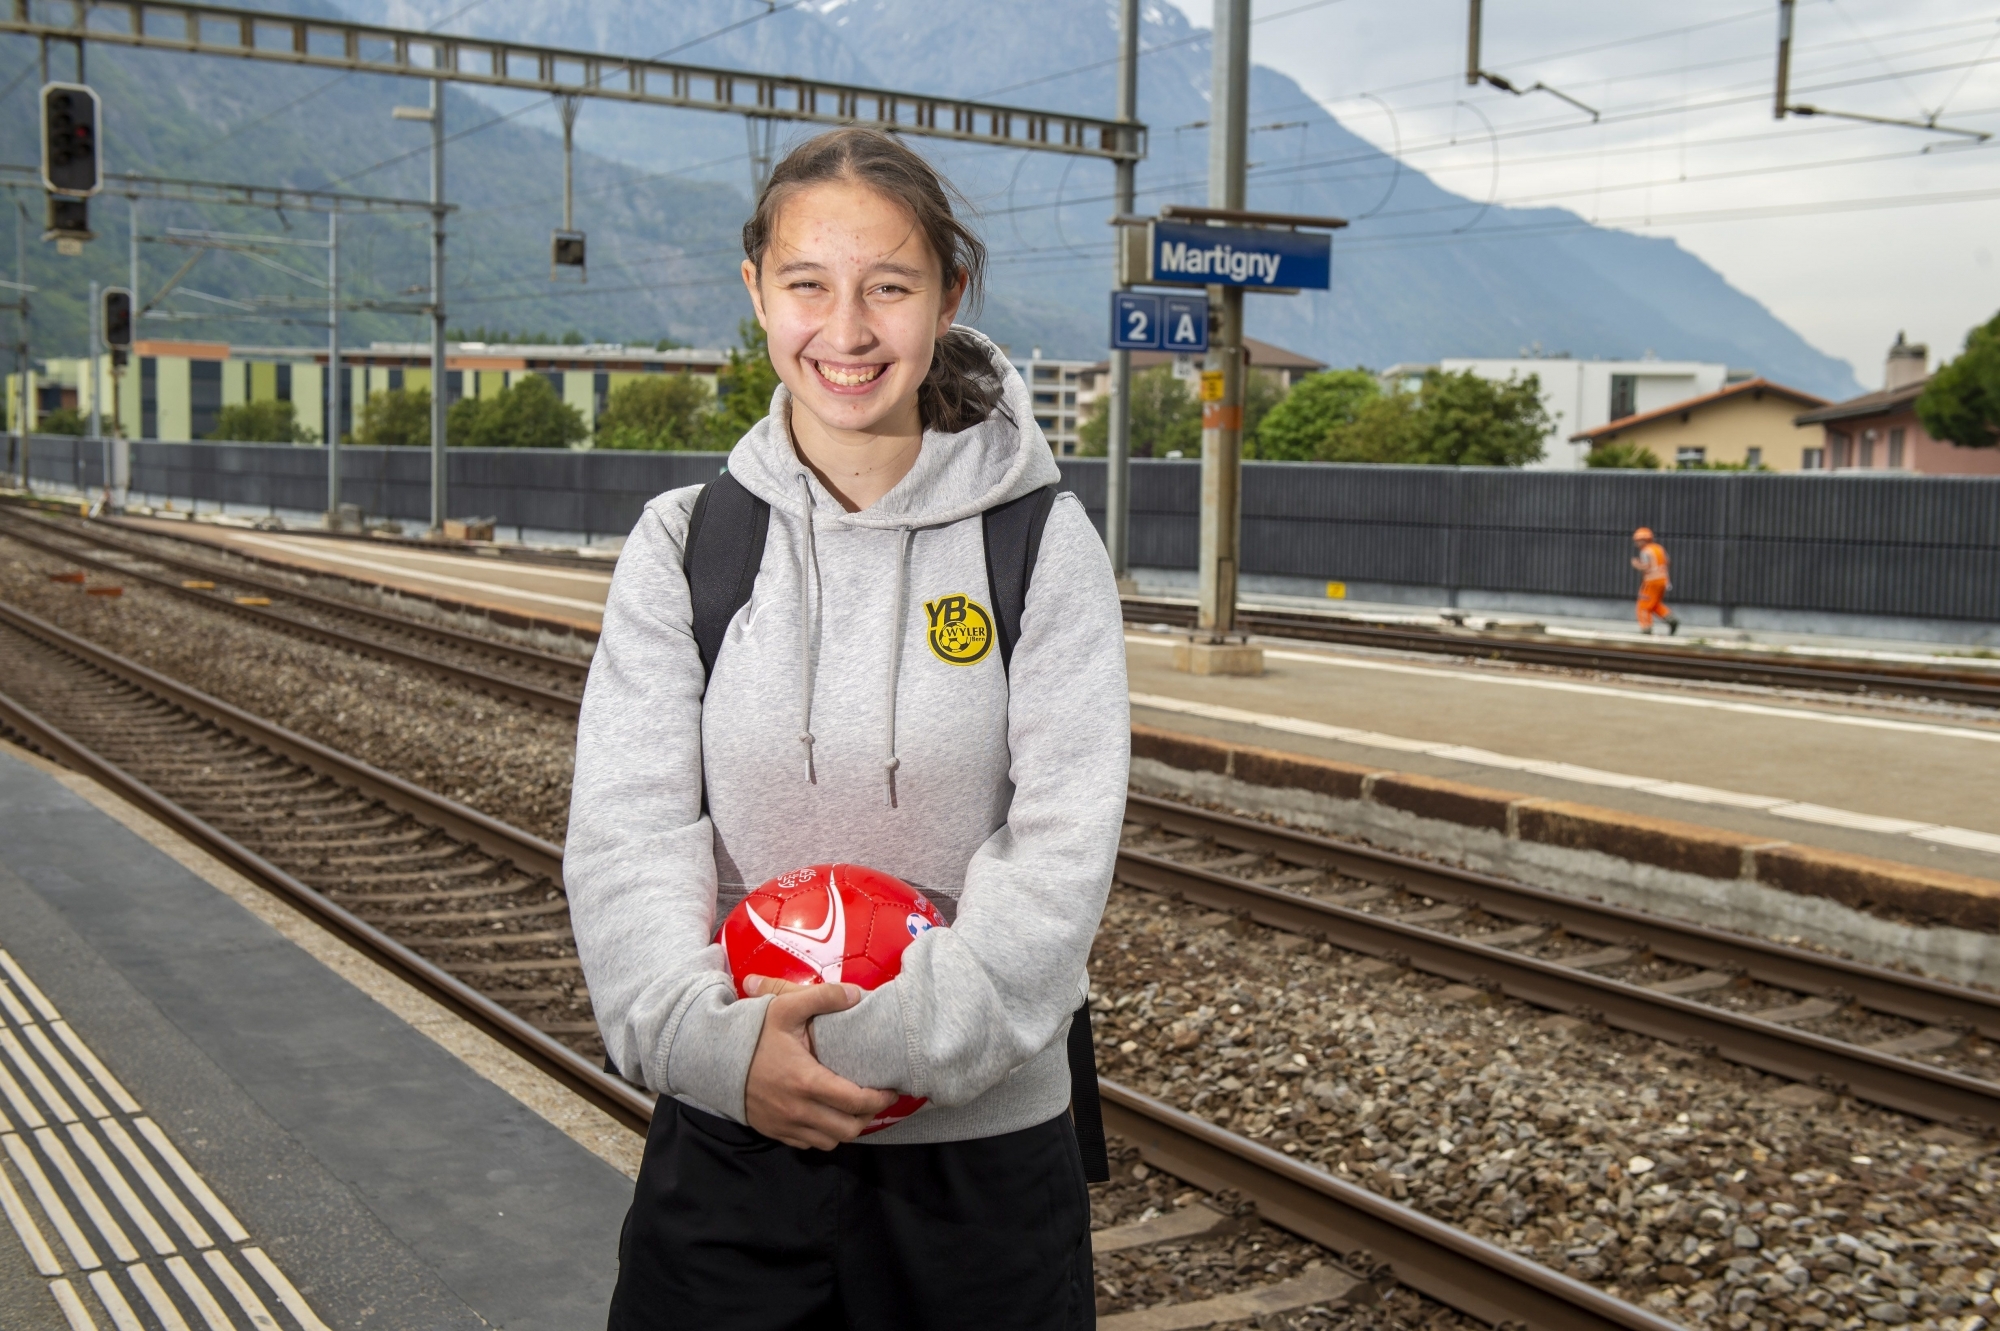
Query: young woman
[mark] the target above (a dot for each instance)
(835, 726)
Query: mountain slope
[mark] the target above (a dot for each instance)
(1422, 272)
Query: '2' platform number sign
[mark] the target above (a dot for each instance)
(1145, 321)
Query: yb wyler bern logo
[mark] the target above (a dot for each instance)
(961, 632)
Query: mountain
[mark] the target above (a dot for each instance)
(1422, 273)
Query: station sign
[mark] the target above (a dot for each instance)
(1148, 321)
(1252, 257)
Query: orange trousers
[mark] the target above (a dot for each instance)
(1653, 602)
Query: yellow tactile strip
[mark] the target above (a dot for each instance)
(127, 1232)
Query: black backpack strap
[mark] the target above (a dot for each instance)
(1085, 1110)
(725, 545)
(1013, 532)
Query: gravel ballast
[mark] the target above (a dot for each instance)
(502, 759)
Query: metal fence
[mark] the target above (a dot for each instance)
(593, 493)
(1848, 543)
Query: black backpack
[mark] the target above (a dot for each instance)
(725, 546)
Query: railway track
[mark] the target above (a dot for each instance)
(543, 680)
(471, 911)
(1745, 999)
(1976, 688)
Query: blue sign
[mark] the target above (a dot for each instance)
(1185, 252)
(1184, 323)
(1135, 321)
(1143, 321)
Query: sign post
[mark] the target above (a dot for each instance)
(1229, 250)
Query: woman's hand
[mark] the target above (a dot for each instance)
(789, 1095)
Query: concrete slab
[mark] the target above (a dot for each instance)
(1787, 756)
(393, 1184)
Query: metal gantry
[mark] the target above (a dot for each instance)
(326, 43)
(561, 74)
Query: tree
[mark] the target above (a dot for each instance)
(266, 422)
(525, 414)
(1629, 457)
(659, 411)
(1165, 418)
(743, 389)
(1297, 428)
(63, 420)
(1468, 421)
(1263, 391)
(1386, 428)
(1961, 404)
(395, 418)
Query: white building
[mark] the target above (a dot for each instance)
(1584, 394)
(1053, 386)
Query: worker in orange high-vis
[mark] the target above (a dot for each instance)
(1651, 561)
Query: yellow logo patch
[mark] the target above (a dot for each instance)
(961, 632)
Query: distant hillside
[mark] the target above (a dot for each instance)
(662, 193)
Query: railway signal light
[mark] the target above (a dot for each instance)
(72, 148)
(118, 322)
(69, 224)
(566, 251)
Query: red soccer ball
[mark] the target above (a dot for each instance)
(829, 924)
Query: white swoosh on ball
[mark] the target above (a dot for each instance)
(822, 949)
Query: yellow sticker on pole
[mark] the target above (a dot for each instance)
(1211, 386)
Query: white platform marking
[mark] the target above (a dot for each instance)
(38, 1043)
(73, 1311)
(1963, 837)
(294, 1302)
(79, 1187)
(113, 1299)
(442, 579)
(156, 1299)
(27, 1230)
(239, 1289)
(1606, 691)
(204, 1302)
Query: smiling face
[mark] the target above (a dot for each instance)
(853, 300)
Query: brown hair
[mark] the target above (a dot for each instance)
(963, 387)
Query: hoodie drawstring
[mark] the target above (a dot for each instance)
(891, 762)
(808, 567)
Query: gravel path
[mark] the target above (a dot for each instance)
(1708, 1192)
(498, 757)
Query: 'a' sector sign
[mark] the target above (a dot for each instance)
(1196, 255)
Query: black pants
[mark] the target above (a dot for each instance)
(732, 1231)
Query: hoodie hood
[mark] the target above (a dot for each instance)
(955, 476)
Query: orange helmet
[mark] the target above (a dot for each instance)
(1643, 534)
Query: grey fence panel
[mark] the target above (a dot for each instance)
(1925, 547)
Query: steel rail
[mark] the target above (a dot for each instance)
(499, 615)
(1877, 988)
(1885, 1079)
(1431, 1257)
(551, 700)
(621, 1101)
(528, 658)
(1669, 663)
(1428, 1255)
(496, 838)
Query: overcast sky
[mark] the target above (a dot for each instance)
(1847, 231)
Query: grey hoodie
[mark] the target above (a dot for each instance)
(834, 730)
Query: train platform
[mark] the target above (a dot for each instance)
(562, 596)
(216, 1115)
(1877, 779)
(1886, 778)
